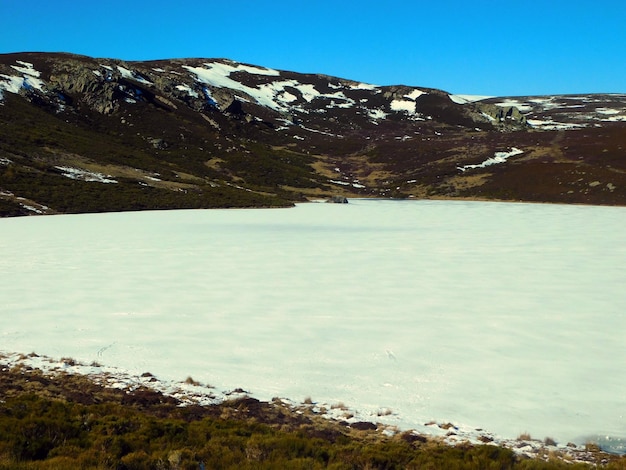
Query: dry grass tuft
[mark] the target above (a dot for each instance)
(549, 441)
(190, 381)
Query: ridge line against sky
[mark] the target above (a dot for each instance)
(485, 47)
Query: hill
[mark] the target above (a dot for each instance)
(82, 134)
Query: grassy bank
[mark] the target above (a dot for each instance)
(68, 421)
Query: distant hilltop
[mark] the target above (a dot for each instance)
(82, 134)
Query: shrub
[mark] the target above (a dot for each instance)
(190, 381)
(549, 441)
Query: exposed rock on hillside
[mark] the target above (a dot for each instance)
(501, 115)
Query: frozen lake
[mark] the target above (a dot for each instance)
(505, 317)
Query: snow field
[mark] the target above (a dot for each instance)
(504, 317)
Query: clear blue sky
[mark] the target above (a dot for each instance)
(486, 47)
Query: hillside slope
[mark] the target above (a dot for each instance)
(80, 134)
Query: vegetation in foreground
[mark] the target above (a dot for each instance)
(70, 422)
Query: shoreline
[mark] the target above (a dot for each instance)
(464, 199)
(190, 393)
(317, 200)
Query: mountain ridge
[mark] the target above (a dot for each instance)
(83, 134)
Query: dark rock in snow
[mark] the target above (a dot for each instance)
(363, 426)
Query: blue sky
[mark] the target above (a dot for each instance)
(486, 47)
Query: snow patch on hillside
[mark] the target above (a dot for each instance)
(26, 68)
(365, 86)
(546, 103)
(408, 104)
(126, 73)
(28, 80)
(620, 118)
(190, 91)
(376, 114)
(552, 125)
(463, 99)
(286, 97)
(608, 111)
(403, 105)
(522, 107)
(277, 95)
(85, 175)
(252, 69)
(415, 94)
(218, 75)
(498, 158)
(11, 84)
(307, 90)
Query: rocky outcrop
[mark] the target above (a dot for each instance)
(499, 115)
(157, 143)
(338, 200)
(98, 91)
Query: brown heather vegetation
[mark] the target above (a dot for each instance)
(69, 422)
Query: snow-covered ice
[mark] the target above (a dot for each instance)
(505, 317)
